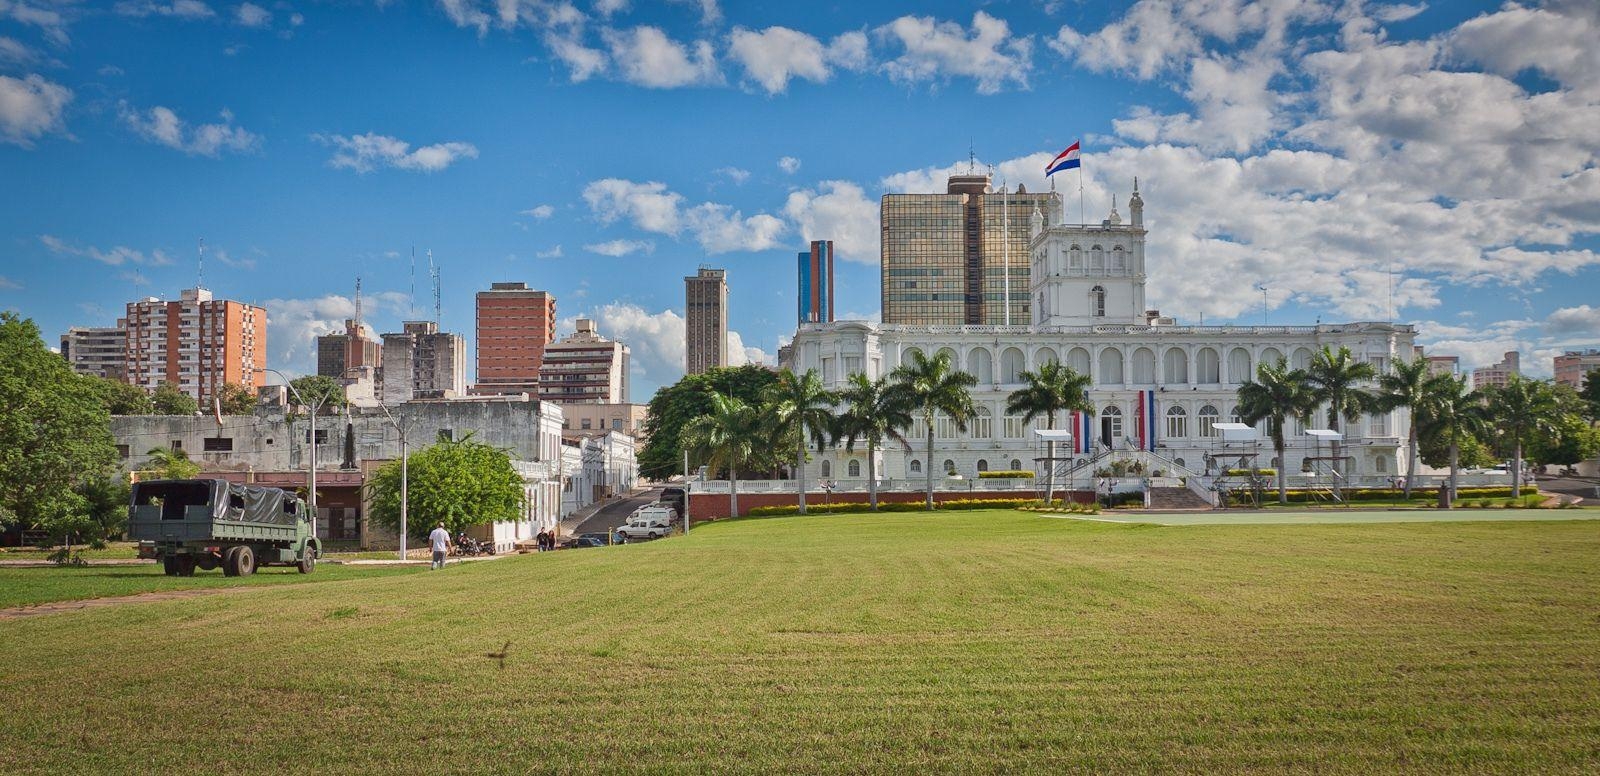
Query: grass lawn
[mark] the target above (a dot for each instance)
(962, 642)
(27, 586)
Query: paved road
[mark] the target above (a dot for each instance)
(616, 513)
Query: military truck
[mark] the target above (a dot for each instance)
(209, 524)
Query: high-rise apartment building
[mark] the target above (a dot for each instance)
(950, 259)
(1570, 367)
(1444, 365)
(515, 325)
(1498, 375)
(196, 343)
(421, 362)
(340, 353)
(816, 283)
(97, 350)
(584, 368)
(705, 320)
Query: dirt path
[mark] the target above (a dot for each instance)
(56, 607)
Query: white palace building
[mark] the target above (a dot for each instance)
(1158, 387)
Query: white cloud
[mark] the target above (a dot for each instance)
(720, 229)
(177, 9)
(540, 212)
(608, 8)
(466, 13)
(133, 277)
(740, 354)
(368, 152)
(115, 256)
(645, 56)
(1582, 321)
(656, 343)
(621, 247)
(161, 125)
(296, 19)
(31, 107)
(652, 207)
(16, 52)
(773, 56)
(7, 284)
(649, 206)
(294, 324)
(734, 174)
(789, 165)
(552, 253)
(837, 211)
(252, 15)
(49, 21)
(229, 260)
(934, 50)
(582, 61)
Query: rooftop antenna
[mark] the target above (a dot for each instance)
(412, 297)
(358, 302)
(433, 269)
(1263, 290)
(200, 281)
(972, 158)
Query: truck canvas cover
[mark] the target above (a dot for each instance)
(227, 501)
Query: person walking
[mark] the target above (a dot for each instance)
(439, 540)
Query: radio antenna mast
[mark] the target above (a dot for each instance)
(412, 296)
(358, 301)
(433, 269)
(200, 281)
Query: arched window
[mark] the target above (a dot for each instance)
(1016, 465)
(908, 355)
(1097, 260)
(1179, 461)
(1044, 356)
(1302, 358)
(854, 468)
(1119, 261)
(1111, 367)
(1097, 302)
(827, 469)
(1271, 356)
(916, 466)
(1177, 422)
(1175, 366)
(1239, 366)
(1011, 366)
(1144, 367)
(980, 426)
(983, 465)
(1208, 367)
(1380, 464)
(944, 426)
(1208, 421)
(1111, 425)
(981, 365)
(949, 467)
(1075, 260)
(1078, 361)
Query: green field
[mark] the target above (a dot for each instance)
(29, 586)
(961, 642)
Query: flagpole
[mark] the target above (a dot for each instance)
(1081, 216)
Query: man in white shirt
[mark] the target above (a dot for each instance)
(439, 540)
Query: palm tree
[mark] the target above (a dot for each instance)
(725, 436)
(801, 407)
(1406, 386)
(1333, 376)
(1277, 394)
(1520, 408)
(877, 411)
(931, 386)
(1457, 412)
(171, 464)
(1053, 388)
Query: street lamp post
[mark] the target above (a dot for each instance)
(312, 475)
(405, 466)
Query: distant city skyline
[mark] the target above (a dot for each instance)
(1425, 163)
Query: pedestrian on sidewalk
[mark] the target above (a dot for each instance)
(439, 541)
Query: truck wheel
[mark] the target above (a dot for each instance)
(230, 562)
(245, 560)
(169, 565)
(186, 564)
(209, 562)
(308, 560)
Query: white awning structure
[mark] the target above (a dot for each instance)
(1324, 435)
(1235, 432)
(1053, 434)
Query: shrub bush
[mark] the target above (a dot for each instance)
(1246, 472)
(1007, 474)
(887, 506)
(1430, 495)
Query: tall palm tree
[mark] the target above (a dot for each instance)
(1334, 376)
(1053, 388)
(1518, 409)
(1406, 386)
(725, 436)
(877, 411)
(171, 464)
(1457, 412)
(802, 408)
(932, 386)
(1277, 394)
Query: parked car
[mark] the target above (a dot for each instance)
(646, 527)
(655, 511)
(586, 540)
(599, 536)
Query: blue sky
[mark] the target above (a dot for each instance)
(1436, 160)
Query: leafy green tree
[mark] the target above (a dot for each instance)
(1471, 452)
(674, 406)
(803, 409)
(726, 436)
(1051, 390)
(168, 400)
(1277, 394)
(236, 399)
(122, 398)
(459, 484)
(317, 390)
(1457, 416)
(165, 463)
(933, 386)
(55, 433)
(876, 412)
(1406, 387)
(1590, 394)
(1334, 377)
(1571, 439)
(1519, 410)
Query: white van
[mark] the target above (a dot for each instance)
(646, 527)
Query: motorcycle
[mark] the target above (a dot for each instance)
(467, 547)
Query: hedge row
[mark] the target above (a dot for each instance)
(1062, 508)
(887, 506)
(1246, 472)
(1008, 474)
(1301, 496)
